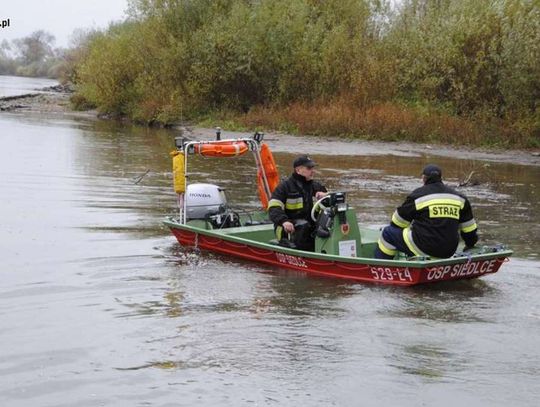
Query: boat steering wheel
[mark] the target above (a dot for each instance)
(318, 206)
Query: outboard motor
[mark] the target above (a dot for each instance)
(208, 202)
(202, 199)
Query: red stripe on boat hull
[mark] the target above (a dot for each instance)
(354, 271)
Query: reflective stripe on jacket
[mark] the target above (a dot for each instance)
(433, 216)
(293, 199)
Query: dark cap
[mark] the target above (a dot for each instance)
(432, 171)
(305, 161)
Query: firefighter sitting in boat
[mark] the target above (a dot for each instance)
(290, 205)
(429, 222)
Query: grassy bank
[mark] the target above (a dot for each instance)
(385, 122)
(460, 72)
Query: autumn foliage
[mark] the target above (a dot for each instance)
(456, 71)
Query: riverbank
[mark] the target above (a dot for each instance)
(53, 100)
(282, 142)
(56, 101)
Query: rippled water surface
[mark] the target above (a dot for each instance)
(99, 306)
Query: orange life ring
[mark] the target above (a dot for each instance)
(272, 175)
(224, 149)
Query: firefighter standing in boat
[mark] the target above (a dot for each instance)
(429, 222)
(290, 205)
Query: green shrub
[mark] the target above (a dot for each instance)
(175, 60)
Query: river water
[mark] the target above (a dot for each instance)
(16, 85)
(99, 306)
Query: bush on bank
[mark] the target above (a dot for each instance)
(460, 71)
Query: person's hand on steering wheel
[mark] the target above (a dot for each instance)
(318, 206)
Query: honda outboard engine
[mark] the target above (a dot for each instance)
(202, 199)
(208, 202)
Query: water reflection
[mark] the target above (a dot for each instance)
(455, 301)
(232, 311)
(131, 170)
(112, 306)
(296, 295)
(291, 293)
(426, 361)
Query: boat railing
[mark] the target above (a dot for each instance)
(188, 147)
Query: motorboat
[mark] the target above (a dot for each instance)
(344, 248)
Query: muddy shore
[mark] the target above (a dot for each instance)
(47, 101)
(55, 101)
